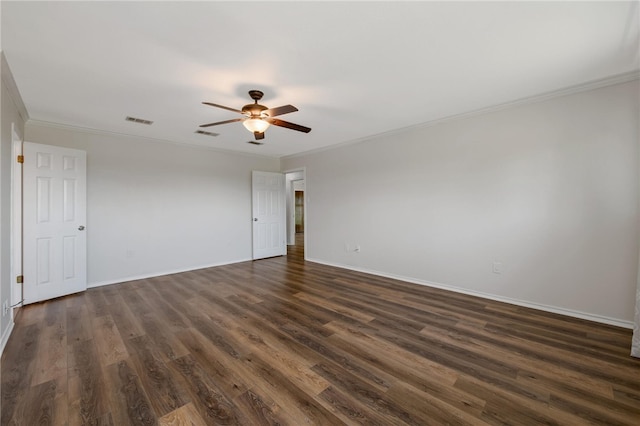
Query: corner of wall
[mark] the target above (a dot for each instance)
(10, 83)
(12, 112)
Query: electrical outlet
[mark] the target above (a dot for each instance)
(497, 267)
(5, 308)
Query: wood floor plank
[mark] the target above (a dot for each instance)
(282, 341)
(313, 317)
(126, 322)
(88, 396)
(96, 303)
(167, 344)
(128, 400)
(219, 366)
(186, 415)
(111, 348)
(300, 407)
(259, 411)
(364, 393)
(434, 409)
(351, 411)
(78, 324)
(536, 366)
(294, 366)
(213, 406)
(18, 366)
(51, 359)
(32, 314)
(310, 351)
(54, 311)
(630, 397)
(562, 393)
(172, 318)
(43, 404)
(422, 378)
(40, 408)
(395, 357)
(165, 396)
(357, 315)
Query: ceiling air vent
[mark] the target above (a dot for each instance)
(202, 132)
(255, 143)
(139, 120)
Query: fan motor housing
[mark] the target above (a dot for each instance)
(253, 110)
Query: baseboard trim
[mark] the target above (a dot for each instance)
(541, 307)
(160, 274)
(5, 337)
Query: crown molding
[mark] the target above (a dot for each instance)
(72, 128)
(565, 91)
(7, 80)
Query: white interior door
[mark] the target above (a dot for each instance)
(54, 218)
(269, 215)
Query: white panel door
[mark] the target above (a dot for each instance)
(54, 218)
(269, 210)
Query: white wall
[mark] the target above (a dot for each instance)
(156, 207)
(11, 113)
(549, 189)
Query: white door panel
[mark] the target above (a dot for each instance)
(269, 210)
(54, 216)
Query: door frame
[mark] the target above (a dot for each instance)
(290, 197)
(16, 296)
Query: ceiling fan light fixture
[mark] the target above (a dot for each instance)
(257, 118)
(255, 125)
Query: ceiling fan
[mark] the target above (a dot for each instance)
(258, 117)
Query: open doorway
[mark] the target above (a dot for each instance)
(298, 195)
(296, 209)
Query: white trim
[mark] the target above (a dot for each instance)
(584, 87)
(14, 93)
(160, 274)
(15, 242)
(547, 308)
(5, 336)
(69, 127)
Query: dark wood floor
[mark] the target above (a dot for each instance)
(282, 341)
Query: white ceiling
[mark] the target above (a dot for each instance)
(353, 69)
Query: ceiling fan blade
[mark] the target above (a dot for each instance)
(285, 109)
(292, 126)
(222, 122)
(223, 107)
(258, 135)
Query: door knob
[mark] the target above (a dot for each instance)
(81, 228)
(255, 219)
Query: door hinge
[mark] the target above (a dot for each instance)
(19, 279)
(20, 159)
